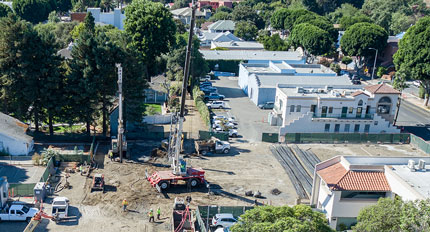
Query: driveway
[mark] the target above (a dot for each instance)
(252, 120)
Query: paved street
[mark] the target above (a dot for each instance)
(252, 120)
(415, 119)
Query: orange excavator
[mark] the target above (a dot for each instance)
(35, 221)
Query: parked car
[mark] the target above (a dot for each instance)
(18, 212)
(416, 83)
(224, 119)
(231, 132)
(216, 105)
(223, 220)
(206, 83)
(218, 117)
(214, 96)
(225, 229)
(205, 78)
(209, 89)
(267, 105)
(356, 82)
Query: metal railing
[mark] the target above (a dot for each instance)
(343, 116)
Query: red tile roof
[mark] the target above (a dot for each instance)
(339, 179)
(358, 92)
(381, 88)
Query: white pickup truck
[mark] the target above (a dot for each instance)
(17, 212)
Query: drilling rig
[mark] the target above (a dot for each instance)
(119, 143)
(180, 172)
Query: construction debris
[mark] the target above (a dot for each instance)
(275, 191)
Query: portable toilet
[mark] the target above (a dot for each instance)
(4, 191)
(40, 191)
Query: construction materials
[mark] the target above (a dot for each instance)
(98, 183)
(299, 176)
(213, 145)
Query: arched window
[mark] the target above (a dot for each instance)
(360, 103)
(384, 105)
(385, 100)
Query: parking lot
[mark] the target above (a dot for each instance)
(252, 121)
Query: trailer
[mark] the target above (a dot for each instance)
(162, 180)
(213, 145)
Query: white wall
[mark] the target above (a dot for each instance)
(14, 146)
(114, 18)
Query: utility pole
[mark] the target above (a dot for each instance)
(374, 63)
(177, 167)
(120, 121)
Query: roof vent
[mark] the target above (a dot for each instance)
(299, 90)
(411, 165)
(422, 165)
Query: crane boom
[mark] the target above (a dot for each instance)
(177, 160)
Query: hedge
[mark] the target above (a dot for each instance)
(200, 104)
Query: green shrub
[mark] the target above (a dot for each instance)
(422, 93)
(201, 105)
(336, 68)
(381, 71)
(346, 60)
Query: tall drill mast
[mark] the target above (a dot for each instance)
(120, 121)
(176, 160)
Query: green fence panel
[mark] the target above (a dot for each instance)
(420, 144)
(21, 190)
(47, 171)
(73, 158)
(352, 138)
(270, 137)
(205, 135)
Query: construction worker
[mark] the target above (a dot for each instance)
(158, 213)
(110, 156)
(124, 205)
(80, 169)
(151, 215)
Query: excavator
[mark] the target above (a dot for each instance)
(37, 219)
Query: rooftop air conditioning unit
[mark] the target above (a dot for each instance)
(411, 165)
(422, 165)
(299, 90)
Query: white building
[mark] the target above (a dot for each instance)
(247, 56)
(206, 38)
(344, 185)
(13, 137)
(114, 18)
(339, 109)
(184, 14)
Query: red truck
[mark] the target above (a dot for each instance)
(163, 179)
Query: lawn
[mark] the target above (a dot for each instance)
(151, 109)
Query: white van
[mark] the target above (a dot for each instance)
(60, 207)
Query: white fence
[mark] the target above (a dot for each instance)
(157, 119)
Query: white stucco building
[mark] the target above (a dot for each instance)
(13, 137)
(344, 185)
(340, 109)
(114, 18)
(206, 38)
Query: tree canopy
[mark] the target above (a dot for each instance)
(394, 215)
(360, 37)
(311, 38)
(273, 43)
(412, 60)
(4, 10)
(34, 11)
(299, 218)
(151, 29)
(246, 30)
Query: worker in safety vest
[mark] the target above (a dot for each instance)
(151, 215)
(111, 156)
(124, 205)
(158, 213)
(80, 169)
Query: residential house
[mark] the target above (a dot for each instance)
(13, 137)
(66, 53)
(114, 18)
(344, 185)
(184, 14)
(222, 26)
(206, 38)
(278, 70)
(156, 93)
(237, 45)
(332, 108)
(214, 4)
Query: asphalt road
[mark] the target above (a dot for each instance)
(414, 119)
(252, 121)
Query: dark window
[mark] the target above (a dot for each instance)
(367, 128)
(361, 195)
(360, 103)
(292, 108)
(327, 128)
(357, 128)
(346, 127)
(298, 108)
(336, 127)
(351, 110)
(313, 108)
(330, 110)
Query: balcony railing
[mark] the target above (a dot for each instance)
(344, 116)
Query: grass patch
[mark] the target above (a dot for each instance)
(69, 129)
(151, 109)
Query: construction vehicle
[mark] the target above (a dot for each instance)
(182, 218)
(37, 218)
(119, 142)
(204, 147)
(181, 173)
(98, 183)
(60, 207)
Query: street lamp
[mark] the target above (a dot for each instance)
(374, 63)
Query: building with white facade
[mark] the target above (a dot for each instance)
(13, 137)
(344, 185)
(206, 38)
(184, 14)
(114, 18)
(339, 109)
